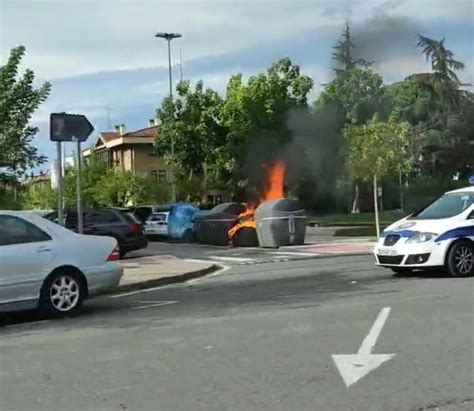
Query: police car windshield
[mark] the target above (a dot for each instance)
(447, 206)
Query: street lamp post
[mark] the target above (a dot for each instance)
(168, 37)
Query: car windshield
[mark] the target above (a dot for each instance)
(449, 205)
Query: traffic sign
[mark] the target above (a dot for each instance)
(69, 127)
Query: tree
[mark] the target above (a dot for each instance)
(39, 198)
(19, 99)
(443, 113)
(377, 148)
(255, 116)
(92, 171)
(120, 188)
(442, 59)
(343, 53)
(194, 126)
(357, 93)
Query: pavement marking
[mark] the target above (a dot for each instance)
(293, 253)
(145, 290)
(155, 304)
(353, 367)
(195, 260)
(231, 259)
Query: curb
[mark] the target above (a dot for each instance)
(159, 282)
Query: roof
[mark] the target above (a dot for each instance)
(108, 139)
(144, 132)
(109, 135)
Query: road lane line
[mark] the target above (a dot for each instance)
(158, 304)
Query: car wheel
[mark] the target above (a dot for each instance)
(62, 294)
(401, 270)
(460, 260)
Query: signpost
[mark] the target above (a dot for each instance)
(66, 128)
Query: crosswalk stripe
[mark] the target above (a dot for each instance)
(231, 259)
(294, 253)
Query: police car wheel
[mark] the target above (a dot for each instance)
(460, 261)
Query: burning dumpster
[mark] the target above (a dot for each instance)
(280, 222)
(212, 227)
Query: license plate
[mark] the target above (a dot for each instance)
(387, 251)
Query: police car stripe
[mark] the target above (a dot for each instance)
(401, 233)
(459, 232)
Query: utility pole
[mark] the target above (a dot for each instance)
(168, 37)
(181, 64)
(78, 187)
(109, 124)
(59, 177)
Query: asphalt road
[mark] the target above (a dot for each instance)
(315, 236)
(255, 337)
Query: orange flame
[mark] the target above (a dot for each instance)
(245, 219)
(276, 179)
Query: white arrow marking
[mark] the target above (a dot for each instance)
(353, 367)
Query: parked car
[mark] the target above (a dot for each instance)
(46, 266)
(439, 236)
(157, 224)
(144, 212)
(123, 226)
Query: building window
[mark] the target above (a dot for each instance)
(159, 175)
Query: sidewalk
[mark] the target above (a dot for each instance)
(154, 271)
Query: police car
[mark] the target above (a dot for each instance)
(439, 236)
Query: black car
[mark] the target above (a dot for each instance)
(123, 226)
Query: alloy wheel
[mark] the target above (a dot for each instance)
(464, 260)
(64, 293)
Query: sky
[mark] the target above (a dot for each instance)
(103, 60)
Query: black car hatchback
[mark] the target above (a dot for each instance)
(123, 226)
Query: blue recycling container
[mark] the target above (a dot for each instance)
(181, 221)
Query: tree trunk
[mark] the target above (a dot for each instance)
(355, 203)
(400, 184)
(376, 207)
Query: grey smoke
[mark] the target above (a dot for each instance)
(312, 149)
(383, 38)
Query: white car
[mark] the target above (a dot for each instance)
(439, 236)
(157, 224)
(46, 266)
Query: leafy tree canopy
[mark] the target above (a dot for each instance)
(19, 99)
